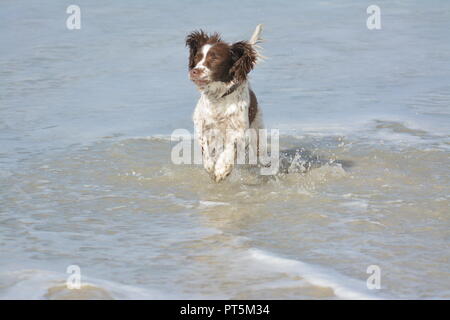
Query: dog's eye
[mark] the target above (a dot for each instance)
(212, 55)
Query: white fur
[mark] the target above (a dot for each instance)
(205, 49)
(255, 40)
(220, 122)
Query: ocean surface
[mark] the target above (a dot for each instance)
(86, 176)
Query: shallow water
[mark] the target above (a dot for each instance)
(86, 177)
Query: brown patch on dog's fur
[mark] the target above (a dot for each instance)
(197, 39)
(226, 62)
(253, 108)
(244, 59)
(219, 61)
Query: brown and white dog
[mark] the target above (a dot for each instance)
(227, 106)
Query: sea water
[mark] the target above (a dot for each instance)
(86, 177)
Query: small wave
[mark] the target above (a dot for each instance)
(342, 286)
(36, 284)
(356, 204)
(206, 204)
(155, 137)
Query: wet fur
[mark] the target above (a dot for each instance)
(227, 104)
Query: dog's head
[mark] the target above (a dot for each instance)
(212, 60)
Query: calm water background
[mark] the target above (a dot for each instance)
(86, 176)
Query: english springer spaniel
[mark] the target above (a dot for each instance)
(227, 107)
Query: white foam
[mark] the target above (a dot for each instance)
(206, 204)
(36, 284)
(356, 204)
(342, 286)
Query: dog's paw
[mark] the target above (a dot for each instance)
(220, 173)
(221, 177)
(209, 166)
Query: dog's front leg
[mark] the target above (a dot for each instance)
(225, 161)
(204, 134)
(208, 159)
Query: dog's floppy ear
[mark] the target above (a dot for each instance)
(244, 58)
(195, 40)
